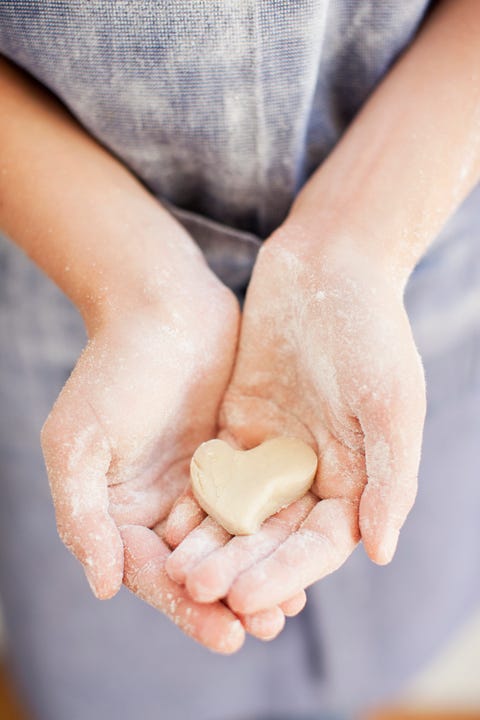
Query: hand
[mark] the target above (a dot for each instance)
(162, 335)
(117, 444)
(326, 355)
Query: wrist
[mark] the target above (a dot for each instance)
(337, 254)
(355, 232)
(158, 268)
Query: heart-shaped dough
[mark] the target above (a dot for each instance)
(241, 488)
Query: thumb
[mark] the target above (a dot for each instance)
(392, 422)
(77, 457)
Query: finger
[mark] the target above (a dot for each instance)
(323, 543)
(264, 625)
(186, 513)
(211, 578)
(393, 427)
(206, 538)
(295, 605)
(185, 516)
(214, 626)
(77, 458)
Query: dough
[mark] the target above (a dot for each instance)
(241, 488)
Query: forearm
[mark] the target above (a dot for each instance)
(75, 210)
(413, 152)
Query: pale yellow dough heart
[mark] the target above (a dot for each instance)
(241, 488)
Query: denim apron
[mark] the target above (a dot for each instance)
(223, 109)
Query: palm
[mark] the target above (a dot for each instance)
(144, 393)
(326, 354)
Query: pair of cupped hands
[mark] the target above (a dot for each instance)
(323, 352)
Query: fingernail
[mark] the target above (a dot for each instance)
(233, 640)
(91, 580)
(389, 545)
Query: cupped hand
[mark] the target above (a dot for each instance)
(117, 444)
(326, 354)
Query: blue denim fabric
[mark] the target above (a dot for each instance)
(223, 108)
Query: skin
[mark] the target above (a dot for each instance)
(147, 387)
(326, 351)
(338, 368)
